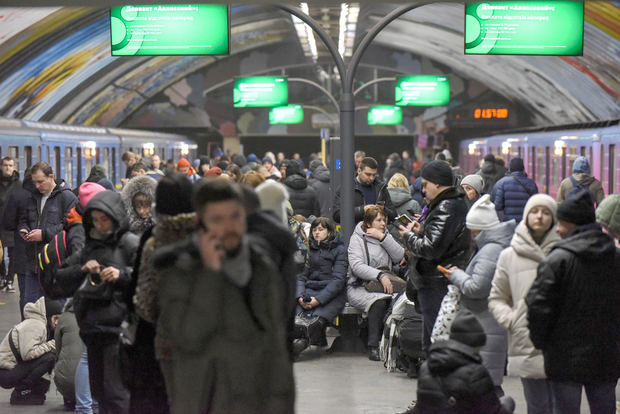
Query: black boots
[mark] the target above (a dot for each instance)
(373, 353)
(30, 395)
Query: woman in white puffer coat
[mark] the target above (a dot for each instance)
(516, 270)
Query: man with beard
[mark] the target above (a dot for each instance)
(221, 304)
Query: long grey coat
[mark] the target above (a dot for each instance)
(361, 268)
(475, 285)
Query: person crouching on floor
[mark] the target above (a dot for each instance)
(453, 379)
(27, 353)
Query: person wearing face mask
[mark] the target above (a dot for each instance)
(372, 247)
(137, 196)
(107, 260)
(321, 286)
(515, 272)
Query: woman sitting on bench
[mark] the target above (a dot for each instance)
(320, 287)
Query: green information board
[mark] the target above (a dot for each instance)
(173, 29)
(290, 114)
(385, 115)
(422, 90)
(524, 28)
(260, 91)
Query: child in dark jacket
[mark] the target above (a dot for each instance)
(453, 379)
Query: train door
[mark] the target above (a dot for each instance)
(612, 169)
(563, 160)
(547, 168)
(57, 164)
(13, 152)
(27, 157)
(113, 174)
(533, 163)
(68, 166)
(78, 160)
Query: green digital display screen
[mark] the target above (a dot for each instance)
(524, 28)
(172, 29)
(290, 114)
(385, 115)
(260, 91)
(422, 90)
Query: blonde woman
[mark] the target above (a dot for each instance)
(398, 188)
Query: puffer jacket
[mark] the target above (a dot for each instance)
(403, 202)
(574, 311)
(514, 274)
(324, 277)
(302, 197)
(464, 379)
(51, 219)
(16, 206)
(475, 285)
(510, 197)
(585, 180)
(29, 336)
(320, 181)
(7, 186)
(141, 184)
(380, 189)
(444, 240)
(103, 318)
(68, 351)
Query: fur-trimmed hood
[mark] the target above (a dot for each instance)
(141, 184)
(170, 229)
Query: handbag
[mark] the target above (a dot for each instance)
(94, 289)
(450, 306)
(375, 286)
(96, 305)
(306, 325)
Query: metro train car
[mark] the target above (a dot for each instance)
(549, 154)
(73, 150)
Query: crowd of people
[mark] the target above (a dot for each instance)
(195, 286)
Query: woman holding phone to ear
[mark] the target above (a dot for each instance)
(372, 247)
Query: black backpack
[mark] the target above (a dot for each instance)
(49, 259)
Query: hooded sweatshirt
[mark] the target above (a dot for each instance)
(29, 336)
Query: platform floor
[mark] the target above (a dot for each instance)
(326, 382)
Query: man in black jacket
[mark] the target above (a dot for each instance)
(42, 219)
(442, 239)
(574, 311)
(320, 178)
(9, 181)
(302, 197)
(369, 190)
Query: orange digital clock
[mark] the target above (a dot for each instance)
(491, 113)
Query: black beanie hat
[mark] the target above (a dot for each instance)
(489, 158)
(467, 329)
(173, 195)
(438, 172)
(52, 307)
(516, 164)
(292, 168)
(578, 209)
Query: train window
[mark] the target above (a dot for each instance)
(612, 168)
(38, 153)
(88, 165)
(572, 151)
(98, 156)
(69, 165)
(27, 157)
(57, 162)
(113, 166)
(78, 159)
(540, 167)
(547, 168)
(555, 170)
(533, 162)
(106, 160)
(602, 158)
(582, 152)
(14, 153)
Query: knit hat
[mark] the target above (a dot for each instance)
(52, 307)
(273, 196)
(578, 209)
(173, 195)
(240, 160)
(107, 184)
(314, 164)
(87, 191)
(540, 200)
(214, 172)
(467, 329)
(267, 159)
(252, 158)
(482, 215)
(581, 165)
(438, 172)
(183, 163)
(516, 164)
(608, 213)
(489, 157)
(475, 181)
(292, 167)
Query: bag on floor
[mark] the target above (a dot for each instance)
(389, 348)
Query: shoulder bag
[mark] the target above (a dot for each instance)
(375, 286)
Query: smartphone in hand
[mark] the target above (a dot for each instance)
(444, 270)
(404, 219)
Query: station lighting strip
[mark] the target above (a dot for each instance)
(347, 28)
(305, 34)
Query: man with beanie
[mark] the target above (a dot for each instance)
(453, 379)
(368, 190)
(573, 311)
(490, 173)
(443, 239)
(511, 193)
(184, 167)
(473, 186)
(581, 179)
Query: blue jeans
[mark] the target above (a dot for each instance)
(537, 394)
(567, 397)
(33, 288)
(430, 302)
(83, 400)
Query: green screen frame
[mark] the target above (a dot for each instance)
(396, 108)
(296, 107)
(259, 79)
(445, 99)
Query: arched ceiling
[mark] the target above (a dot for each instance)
(55, 63)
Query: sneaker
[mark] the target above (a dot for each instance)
(373, 353)
(411, 409)
(10, 288)
(26, 396)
